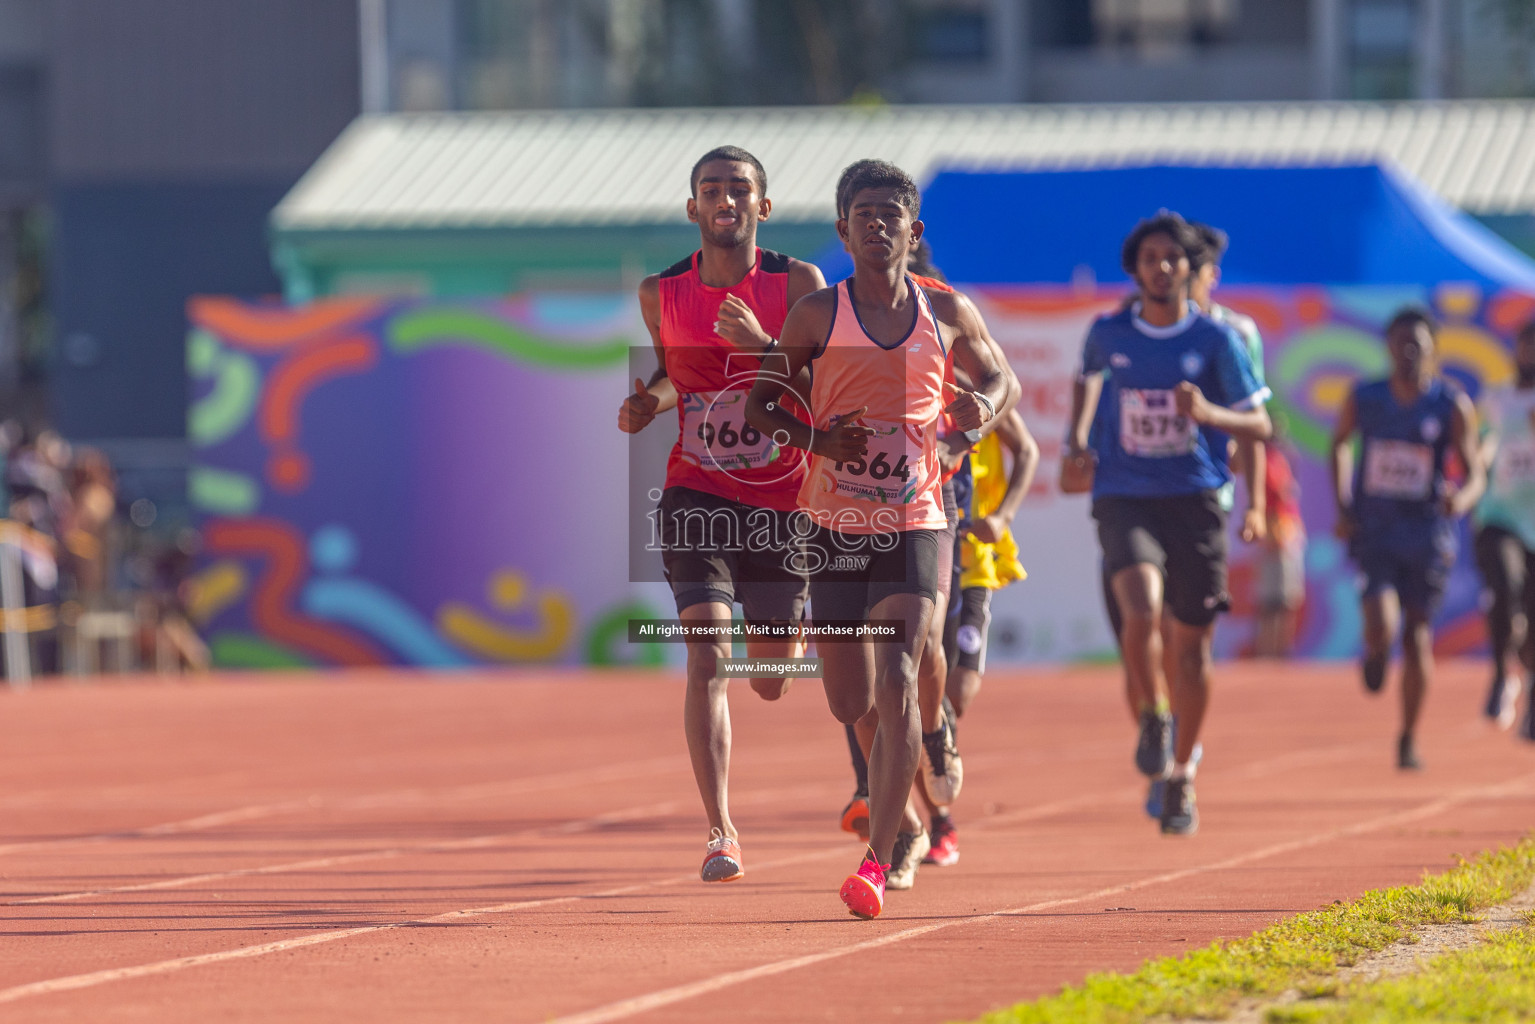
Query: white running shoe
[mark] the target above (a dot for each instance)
(910, 848)
(943, 773)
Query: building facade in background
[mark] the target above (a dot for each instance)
(521, 54)
(143, 143)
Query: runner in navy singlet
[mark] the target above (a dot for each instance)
(1397, 508)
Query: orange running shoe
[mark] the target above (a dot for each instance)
(722, 860)
(855, 817)
(864, 890)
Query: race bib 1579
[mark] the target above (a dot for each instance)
(1149, 424)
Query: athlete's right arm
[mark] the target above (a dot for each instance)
(804, 332)
(1342, 456)
(659, 394)
(1077, 460)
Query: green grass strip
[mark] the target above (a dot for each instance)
(1491, 981)
(1302, 952)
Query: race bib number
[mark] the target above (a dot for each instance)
(1149, 424)
(891, 470)
(1514, 467)
(1398, 469)
(715, 432)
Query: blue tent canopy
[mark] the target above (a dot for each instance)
(1344, 225)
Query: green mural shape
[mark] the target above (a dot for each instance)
(242, 650)
(237, 386)
(610, 633)
(1363, 355)
(427, 328)
(222, 492)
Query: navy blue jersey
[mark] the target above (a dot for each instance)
(1400, 472)
(1144, 448)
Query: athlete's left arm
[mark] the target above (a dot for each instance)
(1240, 412)
(1253, 460)
(1463, 435)
(977, 353)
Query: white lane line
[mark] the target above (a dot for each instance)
(441, 846)
(665, 997)
(749, 799)
(1034, 813)
(606, 773)
(668, 996)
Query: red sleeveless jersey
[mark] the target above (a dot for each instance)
(945, 426)
(717, 451)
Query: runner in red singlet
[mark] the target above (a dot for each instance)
(880, 345)
(727, 515)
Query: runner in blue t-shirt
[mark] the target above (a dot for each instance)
(1396, 508)
(1169, 387)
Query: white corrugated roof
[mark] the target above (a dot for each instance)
(518, 169)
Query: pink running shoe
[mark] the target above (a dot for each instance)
(945, 848)
(722, 860)
(864, 890)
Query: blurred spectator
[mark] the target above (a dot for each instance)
(167, 638)
(88, 541)
(1281, 578)
(34, 478)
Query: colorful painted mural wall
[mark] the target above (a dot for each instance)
(443, 484)
(399, 482)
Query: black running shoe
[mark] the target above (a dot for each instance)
(1407, 756)
(1494, 706)
(1154, 748)
(1180, 815)
(1374, 667)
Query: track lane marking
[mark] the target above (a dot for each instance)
(1322, 755)
(640, 1004)
(679, 993)
(622, 770)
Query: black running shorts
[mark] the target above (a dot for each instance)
(948, 543)
(851, 573)
(715, 549)
(1183, 535)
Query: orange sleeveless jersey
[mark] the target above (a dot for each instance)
(896, 486)
(718, 452)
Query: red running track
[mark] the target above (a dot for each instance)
(524, 846)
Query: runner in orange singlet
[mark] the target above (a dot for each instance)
(727, 515)
(880, 345)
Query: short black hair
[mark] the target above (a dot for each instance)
(1213, 243)
(877, 174)
(1166, 223)
(1407, 316)
(921, 263)
(735, 153)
